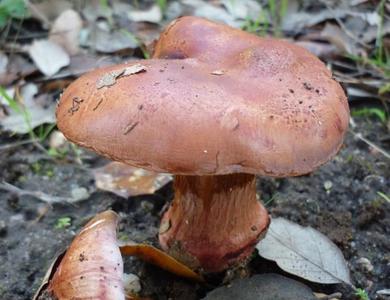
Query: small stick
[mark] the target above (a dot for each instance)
(50, 199)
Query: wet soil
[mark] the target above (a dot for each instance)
(340, 199)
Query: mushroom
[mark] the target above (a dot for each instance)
(92, 267)
(214, 106)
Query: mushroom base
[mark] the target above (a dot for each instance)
(214, 222)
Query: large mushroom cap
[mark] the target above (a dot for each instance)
(267, 107)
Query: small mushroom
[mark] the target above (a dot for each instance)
(257, 116)
(92, 267)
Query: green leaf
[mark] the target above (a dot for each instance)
(368, 112)
(63, 222)
(15, 8)
(4, 17)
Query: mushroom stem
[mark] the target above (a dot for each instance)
(214, 222)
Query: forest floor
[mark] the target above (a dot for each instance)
(347, 199)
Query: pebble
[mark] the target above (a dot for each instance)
(365, 264)
(79, 193)
(263, 287)
(328, 185)
(3, 228)
(57, 139)
(131, 283)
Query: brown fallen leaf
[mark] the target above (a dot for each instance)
(124, 180)
(65, 31)
(159, 258)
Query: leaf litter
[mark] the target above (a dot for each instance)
(28, 113)
(110, 78)
(305, 252)
(125, 181)
(48, 56)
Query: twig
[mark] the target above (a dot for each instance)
(345, 29)
(371, 144)
(16, 144)
(39, 14)
(50, 199)
(329, 297)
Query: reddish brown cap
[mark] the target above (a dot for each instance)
(242, 104)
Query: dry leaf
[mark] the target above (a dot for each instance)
(243, 9)
(47, 10)
(218, 72)
(3, 63)
(340, 39)
(159, 258)
(152, 15)
(17, 67)
(212, 12)
(65, 31)
(299, 19)
(48, 56)
(323, 50)
(305, 252)
(35, 113)
(94, 10)
(104, 40)
(124, 180)
(83, 63)
(110, 78)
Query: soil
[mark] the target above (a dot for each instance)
(340, 199)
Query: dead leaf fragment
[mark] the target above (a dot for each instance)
(340, 39)
(110, 78)
(305, 252)
(124, 180)
(65, 31)
(159, 258)
(152, 15)
(48, 56)
(103, 39)
(243, 9)
(47, 10)
(134, 70)
(3, 62)
(17, 67)
(31, 112)
(218, 72)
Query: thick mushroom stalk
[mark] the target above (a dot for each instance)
(213, 221)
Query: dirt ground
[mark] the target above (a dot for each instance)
(340, 200)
